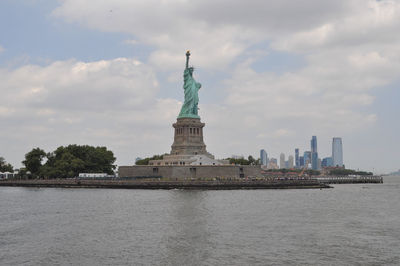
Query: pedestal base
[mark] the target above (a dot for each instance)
(188, 137)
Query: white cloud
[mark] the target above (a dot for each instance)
(368, 24)
(80, 86)
(217, 31)
(109, 102)
(131, 42)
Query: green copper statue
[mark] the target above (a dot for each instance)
(191, 88)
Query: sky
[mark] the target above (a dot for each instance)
(273, 74)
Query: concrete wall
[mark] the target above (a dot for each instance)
(190, 171)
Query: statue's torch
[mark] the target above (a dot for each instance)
(187, 58)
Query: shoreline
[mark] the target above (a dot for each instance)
(167, 185)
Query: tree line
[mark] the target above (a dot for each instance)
(242, 161)
(342, 171)
(146, 160)
(66, 162)
(4, 166)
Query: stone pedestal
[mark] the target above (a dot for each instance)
(188, 137)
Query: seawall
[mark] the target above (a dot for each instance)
(350, 179)
(174, 184)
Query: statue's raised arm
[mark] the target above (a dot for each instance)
(187, 59)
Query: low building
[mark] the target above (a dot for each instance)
(189, 171)
(7, 175)
(199, 159)
(94, 175)
(327, 162)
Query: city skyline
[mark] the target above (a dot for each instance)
(273, 74)
(310, 157)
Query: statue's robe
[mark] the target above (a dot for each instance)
(191, 88)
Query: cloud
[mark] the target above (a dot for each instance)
(131, 42)
(314, 29)
(1, 49)
(218, 31)
(73, 85)
(109, 102)
(370, 25)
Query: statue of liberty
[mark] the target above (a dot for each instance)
(191, 88)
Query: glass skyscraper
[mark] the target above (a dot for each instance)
(301, 159)
(337, 152)
(314, 144)
(263, 157)
(314, 160)
(314, 153)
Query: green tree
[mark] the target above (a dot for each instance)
(342, 171)
(33, 160)
(4, 166)
(251, 160)
(240, 161)
(67, 162)
(146, 160)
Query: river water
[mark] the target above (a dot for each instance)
(348, 225)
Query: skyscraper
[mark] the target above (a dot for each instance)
(314, 144)
(314, 153)
(314, 160)
(301, 159)
(337, 152)
(282, 161)
(263, 157)
(297, 158)
(290, 161)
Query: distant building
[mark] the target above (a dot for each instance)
(314, 160)
(327, 162)
(314, 153)
(200, 159)
(272, 163)
(337, 152)
(7, 175)
(237, 156)
(263, 157)
(297, 158)
(301, 160)
(314, 144)
(290, 162)
(307, 158)
(282, 160)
